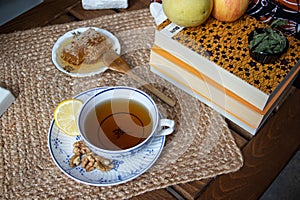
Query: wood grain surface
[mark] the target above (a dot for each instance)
(264, 155)
(59, 12)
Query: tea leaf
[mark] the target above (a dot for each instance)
(273, 42)
(256, 40)
(262, 47)
(278, 22)
(277, 49)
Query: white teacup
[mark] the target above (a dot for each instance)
(120, 120)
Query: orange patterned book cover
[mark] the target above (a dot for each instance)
(226, 44)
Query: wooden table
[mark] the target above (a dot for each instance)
(265, 155)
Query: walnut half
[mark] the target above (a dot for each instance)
(75, 160)
(88, 160)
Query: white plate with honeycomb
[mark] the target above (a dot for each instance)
(78, 63)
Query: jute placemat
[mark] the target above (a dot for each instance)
(200, 147)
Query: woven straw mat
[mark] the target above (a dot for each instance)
(201, 146)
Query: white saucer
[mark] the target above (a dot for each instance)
(115, 45)
(126, 167)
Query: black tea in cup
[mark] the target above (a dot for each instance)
(118, 124)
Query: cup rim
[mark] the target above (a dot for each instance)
(106, 151)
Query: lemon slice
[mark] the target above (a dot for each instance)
(66, 116)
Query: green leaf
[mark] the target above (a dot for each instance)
(278, 22)
(262, 47)
(277, 49)
(257, 39)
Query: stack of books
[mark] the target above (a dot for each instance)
(212, 63)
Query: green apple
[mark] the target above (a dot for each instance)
(187, 13)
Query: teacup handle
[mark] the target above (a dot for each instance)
(166, 127)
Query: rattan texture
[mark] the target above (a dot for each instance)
(201, 146)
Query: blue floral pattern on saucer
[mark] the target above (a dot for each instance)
(125, 168)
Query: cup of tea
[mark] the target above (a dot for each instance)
(120, 120)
